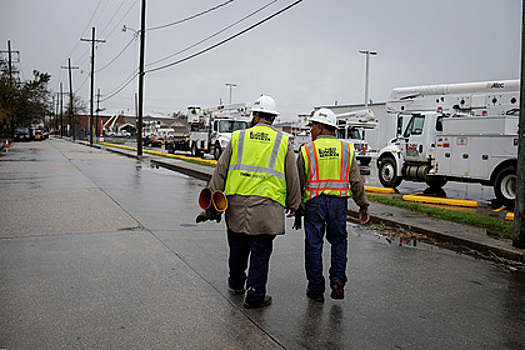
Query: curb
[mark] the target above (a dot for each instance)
(434, 200)
(484, 246)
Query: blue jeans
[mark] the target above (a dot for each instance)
(325, 213)
(257, 249)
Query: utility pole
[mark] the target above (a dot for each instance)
(71, 99)
(141, 76)
(93, 41)
(61, 111)
(10, 73)
(97, 110)
(518, 239)
(10, 62)
(10, 70)
(56, 113)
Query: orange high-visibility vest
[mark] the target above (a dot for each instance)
(327, 166)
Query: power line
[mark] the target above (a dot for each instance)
(191, 17)
(123, 17)
(87, 26)
(121, 87)
(82, 85)
(225, 40)
(112, 17)
(213, 35)
(117, 56)
(135, 73)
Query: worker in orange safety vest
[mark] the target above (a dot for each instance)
(329, 175)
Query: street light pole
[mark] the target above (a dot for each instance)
(231, 85)
(367, 53)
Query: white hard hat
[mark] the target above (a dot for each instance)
(324, 116)
(265, 104)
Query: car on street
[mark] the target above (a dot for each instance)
(22, 134)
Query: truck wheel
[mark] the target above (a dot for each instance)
(387, 173)
(217, 151)
(505, 186)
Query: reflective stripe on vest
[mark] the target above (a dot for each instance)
(257, 164)
(327, 167)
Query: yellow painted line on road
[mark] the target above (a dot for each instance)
(509, 217)
(379, 189)
(435, 200)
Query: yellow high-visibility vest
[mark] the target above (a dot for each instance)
(257, 164)
(327, 167)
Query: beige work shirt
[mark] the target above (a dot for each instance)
(356, 185)
(255, 215)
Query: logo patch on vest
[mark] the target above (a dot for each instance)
(260, 136)
(255, 176)
(328, 152)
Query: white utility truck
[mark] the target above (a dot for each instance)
(351, 125)
(456, 132)
(212, 128)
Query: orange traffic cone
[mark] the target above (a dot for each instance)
(6, 148)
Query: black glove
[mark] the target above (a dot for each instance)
(297, 225)
(208, 214)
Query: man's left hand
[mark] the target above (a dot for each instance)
(364, 218)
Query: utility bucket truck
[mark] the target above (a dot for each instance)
(457, 132)
(212, 128)
(350, 126)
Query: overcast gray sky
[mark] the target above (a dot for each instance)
(305, 57)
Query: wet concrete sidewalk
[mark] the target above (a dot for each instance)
(102, 251)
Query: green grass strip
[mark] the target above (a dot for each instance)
(494, 226)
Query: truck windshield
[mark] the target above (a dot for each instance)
(232, 125)
(348, 134)
(354, 134)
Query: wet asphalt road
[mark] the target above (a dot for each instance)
(101, 251)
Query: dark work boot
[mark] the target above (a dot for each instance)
(338, 291)
(319, 297)
(267, 301)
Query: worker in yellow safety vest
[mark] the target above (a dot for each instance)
(328, 175)
(258, 174)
